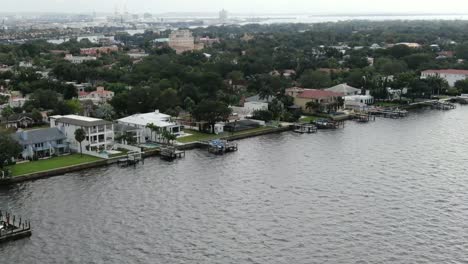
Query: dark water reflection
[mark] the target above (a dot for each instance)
(393, 191)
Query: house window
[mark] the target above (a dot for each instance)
(39, 145)
(59, 142)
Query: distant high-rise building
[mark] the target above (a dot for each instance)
(183, 40)
(147, 16)
(223, 15)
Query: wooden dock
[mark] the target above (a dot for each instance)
(438, 105)
(303, 128)
(328, 124)
(132, 159)
(220, 147)
(388, 112)
(13, 228)
(363, 117)
(171, 153)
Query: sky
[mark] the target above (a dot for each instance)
(238, 6)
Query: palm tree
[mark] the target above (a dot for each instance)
(312, 106)
(80, 135)
(151, 128)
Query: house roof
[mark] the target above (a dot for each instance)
(15, 118)
(38, 135)
(123, 128)
(256, 98)
(158, 119)
(448, 71)
(317, 94)
(81, 120)
(343, 89)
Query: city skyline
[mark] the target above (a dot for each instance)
(240, 6)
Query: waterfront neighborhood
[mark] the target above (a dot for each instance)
(220, 136)
(107, 97)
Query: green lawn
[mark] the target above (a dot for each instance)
(198, 136)
(52, 163)
(308, 119)
(387, 104)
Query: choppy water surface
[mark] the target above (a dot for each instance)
(393, 191)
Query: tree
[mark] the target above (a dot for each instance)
(211, 112)
(437, 84)
(153, 128)
(389, 67)
(36, 116)
(105, 111)
(80, 135)
(276, 108)
(9, 148)
(7, 111)
(399, 51)
(315, 79)
(189, 104)
(264, 115)
(312, 106)
(462, 51)
(45, 99)
(168, 136)
(462, 85)
(74, 105)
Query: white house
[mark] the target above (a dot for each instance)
(450, 75)
(156, 118)
(99, 133)
(249, 108)
(79, 59)
(358, 102)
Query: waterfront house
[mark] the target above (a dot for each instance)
(249, 108)
(43, 142)
(141, 121)
(18, 121)
(99, 133)
(358, 102)
(323, 98)
(450, 75)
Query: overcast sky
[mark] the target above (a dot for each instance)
(238, 6)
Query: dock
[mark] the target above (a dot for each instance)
(132, 159)
(219, 146)
(388, 112)
(438, 105)
(363, 117)
(171, 153)
(328, 124)
(13, 228)
(303, 128)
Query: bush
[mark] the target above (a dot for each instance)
(264, 115)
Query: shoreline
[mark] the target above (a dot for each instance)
(105, 162)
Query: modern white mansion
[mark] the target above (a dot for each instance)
(141, 121)
(99, 133)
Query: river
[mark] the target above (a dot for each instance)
(390, 191)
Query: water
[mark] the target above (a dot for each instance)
(393, 191)
(337, 18)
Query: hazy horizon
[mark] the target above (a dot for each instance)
(319, 7)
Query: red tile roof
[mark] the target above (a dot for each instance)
(448, 71)
(317, 94)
